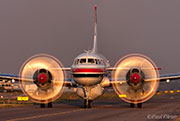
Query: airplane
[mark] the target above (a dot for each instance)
(135, 77)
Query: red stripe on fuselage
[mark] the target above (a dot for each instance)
(88, 70)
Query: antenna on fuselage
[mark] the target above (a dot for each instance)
(94, 50)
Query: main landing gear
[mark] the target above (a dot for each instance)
(49, 105)
(139, 105)
(132, 105)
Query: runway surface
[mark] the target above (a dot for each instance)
(159, 108)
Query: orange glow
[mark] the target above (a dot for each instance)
(145, 64)
(158, 93)
(74, 89)
(171, 91)
(35, 93)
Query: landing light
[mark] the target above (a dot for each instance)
(167, 80)
(158, 93)
(13, 80)
(74, 89)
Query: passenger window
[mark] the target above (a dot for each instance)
(96, 62)
(76, 62)
(102, 62)
(99, 62)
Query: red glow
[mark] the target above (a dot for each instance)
(157, 68)
(42, 78)
(135, 77)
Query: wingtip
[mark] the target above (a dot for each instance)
(95, 7)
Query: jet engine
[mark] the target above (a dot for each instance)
(40, 80)
(135, 79)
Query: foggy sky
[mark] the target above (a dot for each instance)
(64, 29)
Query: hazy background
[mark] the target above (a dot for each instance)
(64, 29)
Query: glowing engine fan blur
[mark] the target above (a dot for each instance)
(135, 78)
(39, 80)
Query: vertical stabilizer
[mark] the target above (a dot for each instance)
(94, 50)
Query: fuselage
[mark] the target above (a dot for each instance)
(89, 69)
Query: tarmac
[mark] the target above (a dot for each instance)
(158, 108)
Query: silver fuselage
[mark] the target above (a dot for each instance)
(88, 70)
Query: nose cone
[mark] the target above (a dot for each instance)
(135, 77)
(88, 76)
(42, 78)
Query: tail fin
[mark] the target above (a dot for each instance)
(94, 50)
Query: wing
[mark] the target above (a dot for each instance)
(114, 69)
(64, 69)
(121, 81)
(67, 83)
(70, 83)
(168, 77)
(9, 76)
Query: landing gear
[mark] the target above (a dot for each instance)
(87, 103)
(43, 105)
(139, 105)
(132, 105)
(50, 105)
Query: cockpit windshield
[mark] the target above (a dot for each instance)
(83, 60)
(89, 61)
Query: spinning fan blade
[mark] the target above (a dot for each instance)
(136, 89)
(39, 81)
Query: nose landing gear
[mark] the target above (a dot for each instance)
(87, 103)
